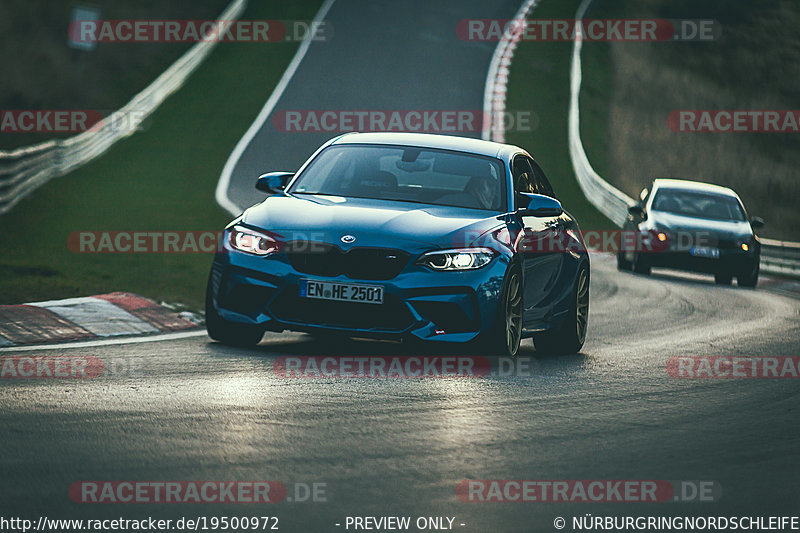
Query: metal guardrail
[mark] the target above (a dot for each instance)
(25, 169)
(780, 257)
(777, 257)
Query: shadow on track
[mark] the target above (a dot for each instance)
(275, 347)
(687, 278)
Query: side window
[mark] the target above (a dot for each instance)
(542, 183)
(523, 180)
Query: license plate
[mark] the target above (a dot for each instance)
(341, 292)
(705, 251)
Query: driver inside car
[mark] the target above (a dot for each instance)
(484, 190)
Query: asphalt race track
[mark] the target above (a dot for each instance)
(196, 410)
(407, 41)
(193, 409)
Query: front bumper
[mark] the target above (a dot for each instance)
(440, 306)
(728, 262)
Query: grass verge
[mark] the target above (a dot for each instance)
(45, 73)
(162, 178)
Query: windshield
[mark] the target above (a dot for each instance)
(698, 204)
(406, 174)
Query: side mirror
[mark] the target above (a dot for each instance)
(540, 205)
(636, 210)
(757, 222)
(273, 182)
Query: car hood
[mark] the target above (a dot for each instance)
(380, 223)
(721, 228)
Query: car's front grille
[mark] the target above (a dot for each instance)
(727, 244)
(391, 315)
(684, 239)
(322, 259)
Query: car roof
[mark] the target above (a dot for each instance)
(671, 183)
(429, 140)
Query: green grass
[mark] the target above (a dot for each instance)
(43, 72)
(162, 178)
(539, 81)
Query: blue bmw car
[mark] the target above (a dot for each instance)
(410, 237)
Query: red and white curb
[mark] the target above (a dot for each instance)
(494, 92)
(117, 314)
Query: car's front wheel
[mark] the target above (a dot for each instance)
(506, 335)
(749, 278)
(570, 336)
(622, 263)
(641, 264)
(723, 278)
(226, 332)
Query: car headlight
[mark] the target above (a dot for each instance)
(747, 246)
(251, 242)
(457, 259)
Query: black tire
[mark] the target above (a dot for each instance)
(569, 337)
(622, 263)
(749, 278)
(230, 333)
(641, 265)
(723, 278)
(506, 335)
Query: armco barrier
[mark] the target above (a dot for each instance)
(780, 257)
(24, 169)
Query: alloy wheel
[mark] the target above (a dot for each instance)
(582, 305)
(514, 314)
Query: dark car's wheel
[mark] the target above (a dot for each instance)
(570, 336)
(226, 332)
(640, 264)
(506, 335)
(622, 263)
(749, 278)
(723, 278)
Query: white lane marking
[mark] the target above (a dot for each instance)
(221, 194)
(97, 316)
(107, 342)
